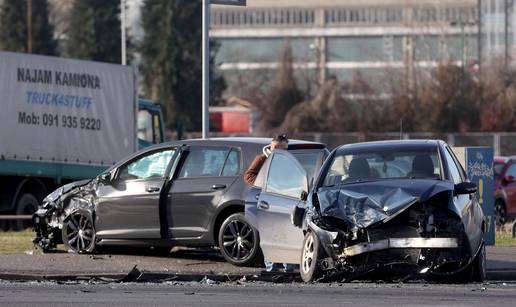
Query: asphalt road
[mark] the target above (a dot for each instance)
(256, 294)
(192, 261)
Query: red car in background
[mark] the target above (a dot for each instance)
(505, 189)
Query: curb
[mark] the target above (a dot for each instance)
(209, 278)
(137, 276)
(501, 274)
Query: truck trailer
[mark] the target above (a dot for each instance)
(63, 120)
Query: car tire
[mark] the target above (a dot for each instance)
(27, 204)
(310, 255)
(239, 242)
(500, 213)
(479, 265)
(79, 232)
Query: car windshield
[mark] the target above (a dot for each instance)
(497, 168)
(379, 164)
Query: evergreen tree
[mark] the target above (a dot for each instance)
(13, 27)
(172, 61)
(94, 31)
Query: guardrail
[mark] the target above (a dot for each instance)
(15, 217)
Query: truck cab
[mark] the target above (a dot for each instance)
(150, 124)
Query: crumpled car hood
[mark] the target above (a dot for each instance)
(366, 203)
(52, 197)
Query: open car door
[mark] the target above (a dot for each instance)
(285, 187)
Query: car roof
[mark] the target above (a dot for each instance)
(366, 146)
(236, 141)
(503, 159)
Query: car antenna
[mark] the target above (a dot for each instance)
(401, 128)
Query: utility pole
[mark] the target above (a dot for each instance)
(123, 32)
(205, 68)
(479, 35)
(29, 26)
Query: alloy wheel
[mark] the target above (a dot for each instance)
(79, 233)
(238, 239)
(308, 254)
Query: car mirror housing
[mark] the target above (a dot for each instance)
(509, 178)
(105, 177)
(465, 188)
(297, 215)
(304, 196)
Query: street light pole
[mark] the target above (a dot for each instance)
(29, 26)
(123, 32)
(205, 68)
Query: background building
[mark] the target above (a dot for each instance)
(498, 25)
(332, 37)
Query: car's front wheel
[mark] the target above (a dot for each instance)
(78, 232)
(311, 253)
(239, 242)
(479, 265)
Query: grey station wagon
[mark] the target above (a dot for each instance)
(188, 193)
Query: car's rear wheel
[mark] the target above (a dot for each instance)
(500, 213)
(78, 232)
(310, 255)
(239, 242)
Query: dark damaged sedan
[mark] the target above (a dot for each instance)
(188, 193)
(404, 208)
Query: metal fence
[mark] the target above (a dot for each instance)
(503, 143)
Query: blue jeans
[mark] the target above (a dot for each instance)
(274, 267)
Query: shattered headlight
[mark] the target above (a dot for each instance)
(52, 197)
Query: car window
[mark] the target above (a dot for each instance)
(202, 162)
(452, 167)
(497, 168)
(462, 172)
(232, 165)
(285, 177)
(377, 164)
(151, 165)
(511, 171)
(309, 160)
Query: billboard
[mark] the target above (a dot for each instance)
(64, 110)
(478, 164)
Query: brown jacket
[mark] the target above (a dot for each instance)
(252, 172)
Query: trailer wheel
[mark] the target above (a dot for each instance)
(27, 204)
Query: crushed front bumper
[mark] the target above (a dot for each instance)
(392, 243)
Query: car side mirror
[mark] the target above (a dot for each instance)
(297, 215)
(304, 195)
(105, 178)
(465, 188)
(508, 178)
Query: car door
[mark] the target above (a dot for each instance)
(465, 203)
(128, 206)
(205, 175)
(286, 181)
